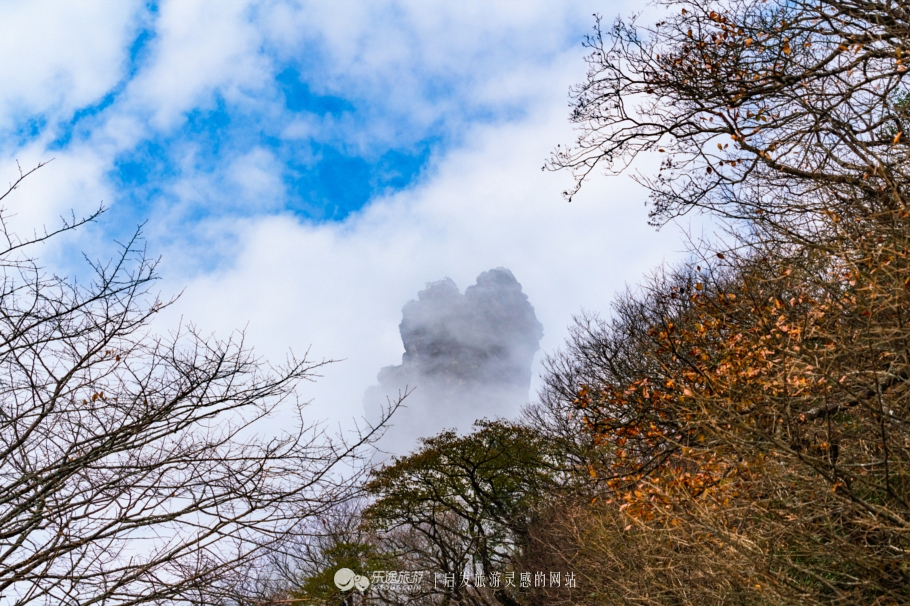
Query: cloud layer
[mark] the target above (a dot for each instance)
(466, 357)
(305, 167)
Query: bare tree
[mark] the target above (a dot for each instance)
(132, 467)
(762, 110)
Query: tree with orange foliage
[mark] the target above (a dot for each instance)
(750, 414)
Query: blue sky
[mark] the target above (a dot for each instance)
(304, 168)
(339, 126)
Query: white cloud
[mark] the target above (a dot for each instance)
(426, 61)
(340, 287)
(199, 48)
(69, 184)
(59, 55)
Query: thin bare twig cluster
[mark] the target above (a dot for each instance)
(133, 467)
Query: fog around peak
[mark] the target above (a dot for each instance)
(467, 356)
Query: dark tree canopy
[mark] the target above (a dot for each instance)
(465, 502)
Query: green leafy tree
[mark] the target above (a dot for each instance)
(360, 556)
(465, 502)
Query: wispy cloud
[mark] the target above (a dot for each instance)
(349, 100)
(305, 167)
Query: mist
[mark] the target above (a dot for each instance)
(467, 356)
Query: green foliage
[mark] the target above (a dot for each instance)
(470, 498)
(358, 555)
(496, 473)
